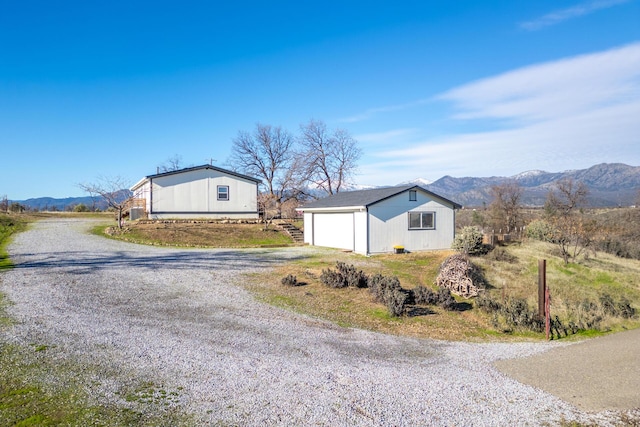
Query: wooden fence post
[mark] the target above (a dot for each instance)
(542, 286)
(547, 307)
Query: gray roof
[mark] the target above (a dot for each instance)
(215, 168)
(368, 197)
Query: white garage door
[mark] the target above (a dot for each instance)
(334, 230)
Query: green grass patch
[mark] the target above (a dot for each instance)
(9, 225)
(40, 390)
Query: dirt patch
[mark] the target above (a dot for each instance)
(202, 234)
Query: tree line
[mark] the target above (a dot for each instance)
(565, 220)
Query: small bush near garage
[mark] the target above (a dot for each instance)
(344, 276)
(442, 297)
(424, 295)
(396, 302)
(290, 280)
(387, 290)
(381, 286)
(332, 279)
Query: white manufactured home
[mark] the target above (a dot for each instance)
(198, 192)
(378, 220)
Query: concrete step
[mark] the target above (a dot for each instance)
(296, 234)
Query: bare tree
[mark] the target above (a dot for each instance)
(564, 209)
(114, 191)
(269, 153)
(505, 209)
(331, 156)
(173, 163)
(4, 203)
(16, 207)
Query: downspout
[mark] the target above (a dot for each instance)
(454, 222)
(367, 231)
(150, 197)
(353, 220)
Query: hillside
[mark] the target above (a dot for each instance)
(610, 184)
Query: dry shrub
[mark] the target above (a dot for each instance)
(290, 280)
(396, 302)
(344, 276)
(515, 314)
(502, 255)
(441, 297)
(424, 295)
(511, 314)
(387, 290)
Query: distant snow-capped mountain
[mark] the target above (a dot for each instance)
(418, 181)
(528, 174)
(609, 184)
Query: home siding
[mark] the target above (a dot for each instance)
(389, 224)
(193, 194)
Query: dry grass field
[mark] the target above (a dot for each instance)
(513, 276)
(355, 307)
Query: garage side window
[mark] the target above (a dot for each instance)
(422, 220)
(223, 192)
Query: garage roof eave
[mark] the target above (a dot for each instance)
(333, 209)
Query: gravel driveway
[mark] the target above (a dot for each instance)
(178, 318)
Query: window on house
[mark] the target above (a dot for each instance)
(413, 195)
(223, 192)
(422, 220)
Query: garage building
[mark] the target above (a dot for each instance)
(378, 220)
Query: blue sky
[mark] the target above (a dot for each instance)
(428, 88)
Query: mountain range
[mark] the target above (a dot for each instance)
(610, 184)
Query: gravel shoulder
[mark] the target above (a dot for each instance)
(178, 318)
(595, 375)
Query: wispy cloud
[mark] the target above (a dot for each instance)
(558, 16)
(386, 137)
(577, 111)
(389, 108)
(554, 89)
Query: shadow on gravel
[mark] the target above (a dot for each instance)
(83, 263)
